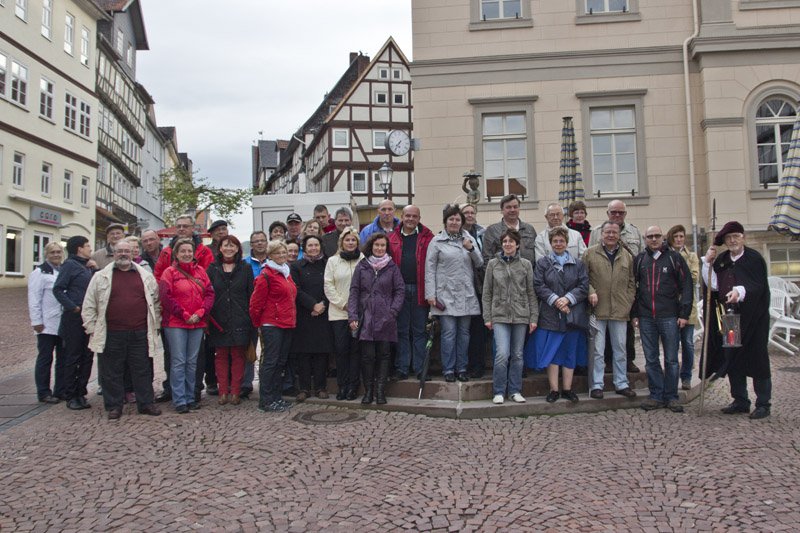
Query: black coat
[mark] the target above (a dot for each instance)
(752, 359)
(232, 291)
(312, 334)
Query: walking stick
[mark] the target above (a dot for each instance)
(707, 313)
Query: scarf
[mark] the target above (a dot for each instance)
(313, 258)
(560, 259)
(377, 263)
(455, 237)
(283, 269)
(227, 261)
(350, 256)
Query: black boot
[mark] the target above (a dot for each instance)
(367, 370)
(383, 374)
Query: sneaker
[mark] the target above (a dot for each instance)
(651, 404)
(597, 394)
(686, 384)
(674, 406)
(552, 396)
(276, 407)
(570, 395)
(450, 377)
(760, 412)
(284, 403)
(627, 392)
(462, 376)
(498, 399)
(517, 397)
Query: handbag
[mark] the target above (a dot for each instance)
(250, 354)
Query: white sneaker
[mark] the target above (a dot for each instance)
(498, 398)
(517, 397)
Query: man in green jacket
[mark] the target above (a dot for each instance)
(612, 290)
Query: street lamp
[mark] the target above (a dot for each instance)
(385, 176)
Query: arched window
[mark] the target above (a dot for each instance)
(775, 117)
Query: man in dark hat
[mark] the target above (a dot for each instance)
(218, 230)
(294, 224)
(739, 284)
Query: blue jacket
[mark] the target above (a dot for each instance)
(374, 227)
(72, 282)
(551, 282)
(255, 264)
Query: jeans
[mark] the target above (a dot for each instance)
(184, 346)
(616, 331)
(347, 356)
(687, 352)
(663, 384)
(277, 342)
(229, 368)
(78, 358)
(125, 350)
(762, 387)
(411, 336)
(45, 345)
(509, 341)
(455, 340)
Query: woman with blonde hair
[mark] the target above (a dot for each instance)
(676, 239)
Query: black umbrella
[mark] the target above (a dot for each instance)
(430, 327)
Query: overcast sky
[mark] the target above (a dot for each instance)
(220, 72)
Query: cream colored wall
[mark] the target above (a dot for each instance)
(763, 17)
(442, 31)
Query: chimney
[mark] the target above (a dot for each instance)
(353, 56)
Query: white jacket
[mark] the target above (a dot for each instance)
(42, 304)
(338, 275)
(95, 305)
(575, 246)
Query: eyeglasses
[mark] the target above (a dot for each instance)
(617, 212)
(654, 236)
(262, 241)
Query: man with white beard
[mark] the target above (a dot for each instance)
(122, 315)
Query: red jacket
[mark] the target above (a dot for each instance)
(181, 297)
(396, 251)
(273, 300)
(202, 254)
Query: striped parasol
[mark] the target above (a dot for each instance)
(570, 181)
(786, 213)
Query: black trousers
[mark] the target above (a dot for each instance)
(312, 371)
(277, 342)
(373, 353)
(165, 384)
(125, 350)
(476, 350)
(347, 356)
(205, 366)
(77, 356)
(45, 345)
(762, 388)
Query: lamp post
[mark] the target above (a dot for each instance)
(385, 176)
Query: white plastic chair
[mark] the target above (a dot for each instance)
(780, 321)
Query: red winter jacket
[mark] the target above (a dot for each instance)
(181, 297)
(273, 300)
(396, 251)
(202, 254)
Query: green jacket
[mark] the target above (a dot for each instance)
(508, 295)
(615, 287)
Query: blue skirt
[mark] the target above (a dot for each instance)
(547, 347)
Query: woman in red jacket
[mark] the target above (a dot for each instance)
(186, 299)
(272, 310)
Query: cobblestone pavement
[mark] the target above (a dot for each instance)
(234, 468)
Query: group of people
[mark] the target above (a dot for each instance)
(560, 300)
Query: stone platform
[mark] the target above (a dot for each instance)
(473, 399)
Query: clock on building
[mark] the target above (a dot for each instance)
(398, 142)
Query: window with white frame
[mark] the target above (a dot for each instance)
(85, 43)
(46, 90)
(19, 83)
(69, 33)
(383, 73)
(40, 241)
(784, 260)
(85, 119)
(613, 149)
(606, 6)
(18, 170)
(21, 9)
(13, 251)
(120, 43)
(505, 154)
(85, 191)
(378, 140)
(67, 186)
(381, 97)
(47, 178)
(500, 9)
(775, 118)
(604, 11)
(47, 18)
(399, 98)
(397, 74)
(359, 182)
(71, 112)
(340, 139)
(129, 55)
(3, 70)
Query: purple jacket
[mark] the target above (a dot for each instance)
(379, 297)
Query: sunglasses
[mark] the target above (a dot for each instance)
(654, 236)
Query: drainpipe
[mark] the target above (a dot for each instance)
(689, 127)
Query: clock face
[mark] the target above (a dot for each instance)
(398, 142)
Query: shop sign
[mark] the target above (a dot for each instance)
(42, 215)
